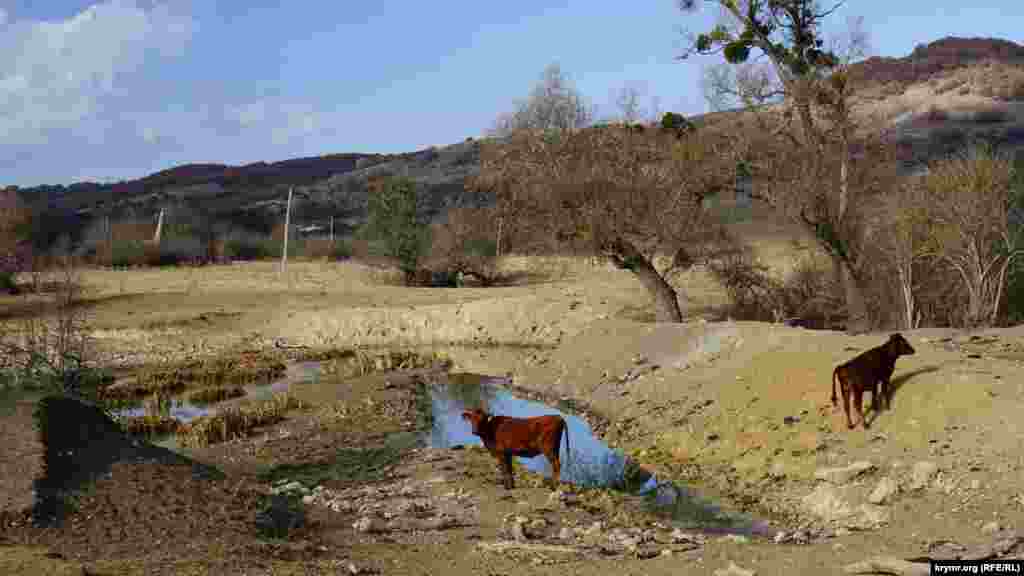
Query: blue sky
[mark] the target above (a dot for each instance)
(122, 88)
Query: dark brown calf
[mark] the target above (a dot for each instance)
(865, 372)
(505, 437)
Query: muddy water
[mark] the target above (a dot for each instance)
(590, 462)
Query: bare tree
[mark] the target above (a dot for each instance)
(625, 195)
(901, 238)
(554, 103)
(780, 52)
(969, 201)
(627, 101)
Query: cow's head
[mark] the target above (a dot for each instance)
(477, 418)
(898, 345)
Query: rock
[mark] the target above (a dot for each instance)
(781, 536)
(777, 471)
(666, 553)
(439, 523)
(844, 474)
(566, 533)
(367, 525)
(884, 491)
(680, 537)
(538, 524)
(734, 570)
(518, 532)
(826, 503)
(870, 517)
(991, 527)
(290, 487)
(922, 473)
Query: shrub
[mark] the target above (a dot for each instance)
(676, 124)
(325, 249)
(125, 253)
(181, 249)
(395, 220)
(249, 246)
(807, 293)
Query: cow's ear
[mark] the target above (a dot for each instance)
(465, 416)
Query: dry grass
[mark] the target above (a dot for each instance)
(217, 394)
(237, 422)
(149, 424)
(360, 363)
(174, 377)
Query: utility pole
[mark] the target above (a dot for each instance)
(287, 223)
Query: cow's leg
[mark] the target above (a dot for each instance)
(507, 466)
(556, 470)
(887, 393)
(858, 404)
(846, 403)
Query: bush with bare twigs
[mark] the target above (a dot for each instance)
(15, 248)
(971, 199)
(48, 346)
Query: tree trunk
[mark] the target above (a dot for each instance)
(857, 321)
(856, 306)
(625, 256)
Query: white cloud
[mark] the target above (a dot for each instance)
(53, 75)
(283, 121)
(249, 114)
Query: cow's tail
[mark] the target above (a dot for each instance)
(835, 374)
(568, 452)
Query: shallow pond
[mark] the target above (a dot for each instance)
(181, 409)
(591, 462)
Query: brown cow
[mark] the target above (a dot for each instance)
(505, 437)
(865, 372)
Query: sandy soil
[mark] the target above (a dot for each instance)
(740, 410)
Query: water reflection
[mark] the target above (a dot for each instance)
(183, 410)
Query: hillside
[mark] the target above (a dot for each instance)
(937, 99)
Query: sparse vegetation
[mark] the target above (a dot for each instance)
(50, 348)
(172, 378)
(237, 422)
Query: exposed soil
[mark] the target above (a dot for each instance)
(739, 410)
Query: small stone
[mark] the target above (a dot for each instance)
(666, 553)
(991, 527)
(367, 525)
(566, 533)
(922, 473)
(844, 474)
(884, 491)
(734, 570)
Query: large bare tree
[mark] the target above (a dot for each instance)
(818, 170)
(627, 194)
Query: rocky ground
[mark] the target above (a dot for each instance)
(739, 410)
